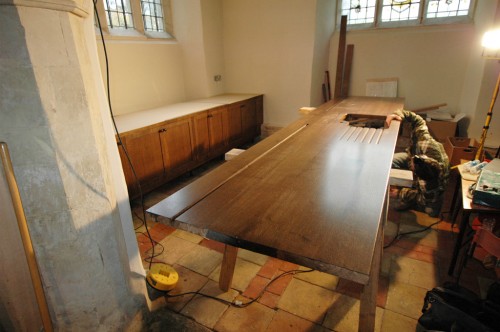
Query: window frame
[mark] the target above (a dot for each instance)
(420, 22)
(138, 31)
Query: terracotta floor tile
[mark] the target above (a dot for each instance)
(279, 286)
(207, 311)
(306, 300)
(244, 272)
(144, 244)
(349, 288)
(187, 236)
(287, 266)
(415, 272)
(343, 315)
(429, 258)
(204, 310)
(394, 322)
(172, 249)
(271, 268)
(201, 260)
(159, 231)
(254, 318)
(405, 299)
(212, 288)
(414, 245)
(189, 281)
(269, 300)
(284, 321)
(256, 287)
(214, 245)
(252, 257)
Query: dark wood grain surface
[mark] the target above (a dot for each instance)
(313, 193)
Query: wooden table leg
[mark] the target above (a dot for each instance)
(227, 268)
(368, 301)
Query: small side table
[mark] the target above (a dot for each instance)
(465, 204)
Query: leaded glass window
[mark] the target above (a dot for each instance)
(119, 14)
(152, 15)
(447, 8)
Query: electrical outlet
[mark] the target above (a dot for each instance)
(217, 78)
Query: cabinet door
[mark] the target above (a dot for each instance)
(248, 120)
(201, 135)
(144, 150)
(177, 146)
(234, 122)
(218, 130)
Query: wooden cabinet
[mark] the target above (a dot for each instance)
(157, 153)
(177, 147)
(249, 120)
(211, 133)
(218, 130)
(245, 119)
(201, 135)
(143, 148)
(165, 150)
(234, 123)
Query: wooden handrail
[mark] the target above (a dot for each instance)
(26, 239)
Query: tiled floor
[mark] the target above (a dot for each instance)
(306, 301)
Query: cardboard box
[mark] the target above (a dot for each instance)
(460, 148)
(440, 130)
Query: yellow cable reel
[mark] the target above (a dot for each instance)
(162, 277)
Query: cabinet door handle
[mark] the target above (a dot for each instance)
(210, 116)
(162, 130)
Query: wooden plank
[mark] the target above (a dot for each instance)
(429, 108)
(347, 70)
(340, 58)
(23, 305)
(227, 268)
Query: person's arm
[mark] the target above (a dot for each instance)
(416, 121)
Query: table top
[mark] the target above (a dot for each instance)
(313, 193)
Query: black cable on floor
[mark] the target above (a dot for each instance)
(400, 235)
(236, 303)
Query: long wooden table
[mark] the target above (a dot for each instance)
(314, 193)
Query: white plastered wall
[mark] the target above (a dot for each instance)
(434, 64)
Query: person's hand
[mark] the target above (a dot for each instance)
(391, 117)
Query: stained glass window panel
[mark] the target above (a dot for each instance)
(359, 11)
(400, 10)
(447, 8)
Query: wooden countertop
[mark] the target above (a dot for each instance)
(135, 120)
(313, 193)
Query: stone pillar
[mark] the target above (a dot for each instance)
(54, 117)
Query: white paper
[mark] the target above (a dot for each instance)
(382, 88)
